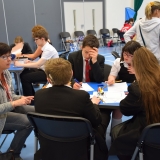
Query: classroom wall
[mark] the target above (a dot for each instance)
(141, 12)
(115, 12)
(17, 17)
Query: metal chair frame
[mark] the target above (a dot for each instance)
(63, 36)
(105, 31)
(75, 128)
(146, 134)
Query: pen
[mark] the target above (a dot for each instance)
(77, 81)
(118, 81)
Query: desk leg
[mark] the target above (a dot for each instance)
(18, 83)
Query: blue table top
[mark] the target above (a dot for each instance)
(95, 86)
(14, 69)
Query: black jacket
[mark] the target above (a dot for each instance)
(26, 48)
(96, 72)
(129, 134)
(65, 101)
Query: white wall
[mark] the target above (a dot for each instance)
(115, 12)
(141, 12)
(84, 21)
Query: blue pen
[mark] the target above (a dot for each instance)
(77, 81)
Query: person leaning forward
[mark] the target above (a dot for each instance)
(62, 100)
(78, 59)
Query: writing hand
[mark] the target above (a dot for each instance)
(110, 81)
(77, 85)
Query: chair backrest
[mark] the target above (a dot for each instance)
(104, 31)
(93, 32)
(56, 126)
(149, 142)
(115, 31)
(65, 35)
(78, 33)
(60, 130)
(115, 54)
(107, 69)
(64, 55)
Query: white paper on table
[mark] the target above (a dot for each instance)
(86, 87)
(49, 85)
(113, 97)
(118, 87)
(110, 97)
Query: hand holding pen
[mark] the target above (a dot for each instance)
(77, 84)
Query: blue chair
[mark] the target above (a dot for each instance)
(148, 145)
(58, 135)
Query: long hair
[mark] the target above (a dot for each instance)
(147, 71)
(150, 8)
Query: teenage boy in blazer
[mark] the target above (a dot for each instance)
(89, 52)
(62, 100)
(78, 59)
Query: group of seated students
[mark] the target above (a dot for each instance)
(137, 66)
(34, 70)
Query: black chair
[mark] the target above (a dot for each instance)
(107, 69)
(120, 39)
(115, 54)
(105, 35)
(79, 40)
(64, 55)
(115, 33)
(92, 32)
(54, 132)
(7, 132)
(148, 145)
(63, 36)
(78, 33)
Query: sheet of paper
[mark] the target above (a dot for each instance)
(86, 87)
(49, 85)
(118, 87)
(110, 97)
(113, 97)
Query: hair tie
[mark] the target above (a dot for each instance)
(152, 4)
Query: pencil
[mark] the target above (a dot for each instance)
(118, 81)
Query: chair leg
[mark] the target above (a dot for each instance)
(3, 141)
(135, 154)
(64, 45)
(35, 144)
(92, 152)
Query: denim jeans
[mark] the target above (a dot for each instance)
(17, 120)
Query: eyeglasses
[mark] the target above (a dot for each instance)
(5, 57)
(128, 55)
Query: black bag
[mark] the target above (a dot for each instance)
(7, 156)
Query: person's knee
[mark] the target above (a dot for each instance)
(25, 109)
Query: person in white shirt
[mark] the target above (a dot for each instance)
(35, 72)
(150, 29)
(123, 70)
